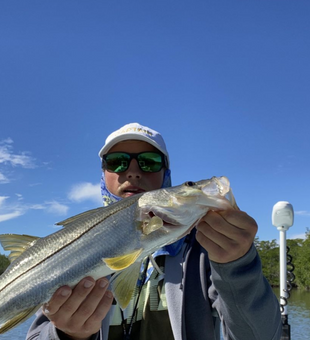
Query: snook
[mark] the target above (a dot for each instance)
(100, 242)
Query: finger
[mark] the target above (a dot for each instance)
(220, 248)
(214, 235)
(85, 328)
(90, 304)
(79, 293)
(102, 309)
(233, 224)
(70, 306)
(88, 317)
(239, 219)
(58, 299)
(216, 252)
(214, 226)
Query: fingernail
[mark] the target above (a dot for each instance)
(103, 283)
(88, 284)
(109, 294)
(64, 292)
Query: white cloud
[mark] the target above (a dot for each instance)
(37, 206)
(302, 236)
(16, 209)
(7, 141)
(10, 159)
(85, 191)
(3, 178)
(2, 199)
(19, 197)
(34, 184)
(57, 208)
(9, 216)
(8, 211)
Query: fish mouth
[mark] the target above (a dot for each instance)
(167, 221)
(171, 224)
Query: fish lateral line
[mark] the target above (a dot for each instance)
(128, 202)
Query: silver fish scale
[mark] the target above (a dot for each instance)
(71, 261)
(74, 228)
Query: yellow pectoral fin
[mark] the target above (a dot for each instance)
(124, 283)
(17, 319)
(16, 244)
(122, 262)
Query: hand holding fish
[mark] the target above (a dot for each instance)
(79, 312)
(226, 235)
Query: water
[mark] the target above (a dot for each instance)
(298, 318)
(298, 314)
(18, 333)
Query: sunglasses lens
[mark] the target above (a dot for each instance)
(150, 161)
(117, 161)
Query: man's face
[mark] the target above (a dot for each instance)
(133, 180)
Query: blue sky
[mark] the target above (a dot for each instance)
(225, 82)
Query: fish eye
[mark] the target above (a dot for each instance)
(190, 184)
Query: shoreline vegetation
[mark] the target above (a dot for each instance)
(298, 261)
(299, 250)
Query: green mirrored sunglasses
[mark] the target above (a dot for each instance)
(120, 161)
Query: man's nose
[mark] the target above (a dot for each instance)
(134, 169)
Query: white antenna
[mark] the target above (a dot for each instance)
(283, 219)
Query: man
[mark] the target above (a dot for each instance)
(212, 275)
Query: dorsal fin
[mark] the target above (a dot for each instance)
(72, 219)
(16, 244)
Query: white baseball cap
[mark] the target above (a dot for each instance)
(135, 131)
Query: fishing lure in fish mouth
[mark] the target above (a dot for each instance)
(102, 241)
